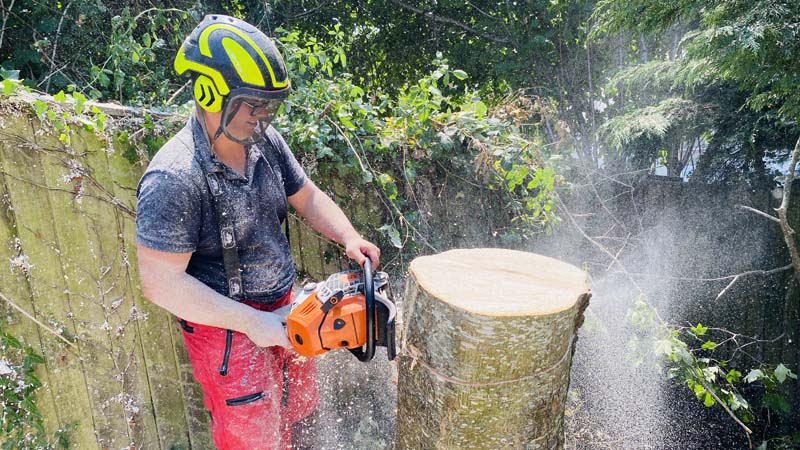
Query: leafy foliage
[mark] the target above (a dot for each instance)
(388, 140)
(735, 61)
(21, 425)
(338, 127)
(102, 50)
(704, 359)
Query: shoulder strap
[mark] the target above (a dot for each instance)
(221, 205)
(230, 250)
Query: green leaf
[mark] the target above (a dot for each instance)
(754, 375)
(733, 376)
(347, 123)
(699, 390)
(781, 372)
(663, 347)
(387, 183)
(9, 74)
(61, 97)
(9, 87)
(709, 345)
(35, 358)
(480, 109)
(699, 329)
(709, 400)
(776, 402)
(80, 100)
(391, 232)
(738, 402)
(11, 341)
(460, 74)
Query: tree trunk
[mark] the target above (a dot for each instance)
(486, 350)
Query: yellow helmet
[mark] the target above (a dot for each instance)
(232, 62)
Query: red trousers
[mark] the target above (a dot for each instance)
(254, 394)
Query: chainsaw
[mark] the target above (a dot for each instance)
(348, 310)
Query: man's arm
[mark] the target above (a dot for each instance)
(166, 283)
(327, 218)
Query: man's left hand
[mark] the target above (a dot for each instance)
(359, 248)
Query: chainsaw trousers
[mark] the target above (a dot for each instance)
(254, 394)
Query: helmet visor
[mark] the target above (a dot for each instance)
(246, 115)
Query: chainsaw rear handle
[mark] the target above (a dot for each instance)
(367, 352)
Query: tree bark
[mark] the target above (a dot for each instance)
(486, 350)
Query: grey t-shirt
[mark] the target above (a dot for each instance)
(175, 213)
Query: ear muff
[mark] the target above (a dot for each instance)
(207, 95)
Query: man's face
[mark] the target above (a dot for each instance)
(246, 115)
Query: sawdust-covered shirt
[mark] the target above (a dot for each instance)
(175, 213)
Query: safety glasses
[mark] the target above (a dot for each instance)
(261, 107)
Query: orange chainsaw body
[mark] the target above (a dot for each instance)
(333, 315)
(311, 330)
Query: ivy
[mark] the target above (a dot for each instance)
(22, 427)
(386, 141)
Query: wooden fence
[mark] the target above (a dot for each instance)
(116, 372)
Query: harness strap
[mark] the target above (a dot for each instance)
(230, 249)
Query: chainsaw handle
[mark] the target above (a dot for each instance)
(365, 355)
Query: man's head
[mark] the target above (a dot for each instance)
(237, 72)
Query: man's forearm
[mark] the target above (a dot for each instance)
(189, 299)
(327, 218)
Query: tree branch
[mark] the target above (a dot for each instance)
(37, 322)
(788, 232)
(598, 245)
(429, 14)
(6, 13)
(55, 44)
(308, 11)
(759, 212)
(710, 390)
(723, 278)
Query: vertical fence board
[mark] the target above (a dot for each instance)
(157, 343)
(75, 212)
(106, 225)
(14, 286)
(35, 226)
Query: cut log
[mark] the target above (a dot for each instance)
(486, 350)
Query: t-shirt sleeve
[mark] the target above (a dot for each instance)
(168, 213)
(294, 177)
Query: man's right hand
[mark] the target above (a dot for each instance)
(266, 329)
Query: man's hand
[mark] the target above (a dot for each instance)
(358, 248)
(266, 329)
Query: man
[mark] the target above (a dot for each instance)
(210, 245)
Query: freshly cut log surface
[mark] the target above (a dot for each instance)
(486, 349)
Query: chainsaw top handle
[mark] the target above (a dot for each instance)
(367, 352)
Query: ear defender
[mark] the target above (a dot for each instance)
(207, 95)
